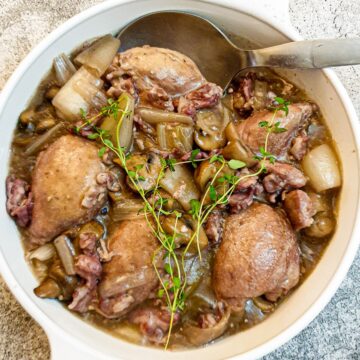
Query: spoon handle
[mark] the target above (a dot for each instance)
(310, 54)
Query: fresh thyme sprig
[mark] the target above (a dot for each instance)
(173, 284)
(199, 210)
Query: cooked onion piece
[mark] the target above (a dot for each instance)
(121, 126)
(321, 166)
(177, 137)
(206, 172)
(66, 253)
(64, 69)
(99, 55)
(82, 91)
(180, 185)
(45, 138)
(57, 284)
(43, 253)
(156, 116)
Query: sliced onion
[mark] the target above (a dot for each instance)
(180, 185)
(175, 137)
(99, 55)
(45, 138)
(126, 117)
(321, 166)
(90, 92)
(66, 253)
(43, 253)
(64, 69)
(156, 116)
(78, 93)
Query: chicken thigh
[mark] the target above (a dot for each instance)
(154, 74)
(252, 136)
(64, 187)
(129, 277)
(258, 255)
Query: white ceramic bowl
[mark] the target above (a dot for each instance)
(267, 23)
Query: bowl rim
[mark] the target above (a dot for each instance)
(52, 328)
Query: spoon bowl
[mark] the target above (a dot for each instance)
(219, 59)
(216, 56)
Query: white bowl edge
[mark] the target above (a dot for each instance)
(317, 306)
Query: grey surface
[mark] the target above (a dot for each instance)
(334, 334)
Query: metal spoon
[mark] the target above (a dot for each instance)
(219, 59)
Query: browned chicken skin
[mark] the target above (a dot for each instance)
(64, 187)
(252, 136)
(129, 277)
(157, 74)
(258, 255)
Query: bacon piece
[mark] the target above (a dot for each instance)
(19, 202)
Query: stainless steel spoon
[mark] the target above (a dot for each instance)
(219, 59)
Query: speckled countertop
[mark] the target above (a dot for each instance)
(334, 334)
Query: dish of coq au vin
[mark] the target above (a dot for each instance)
(162, 209)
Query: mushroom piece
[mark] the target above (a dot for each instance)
(199, 336)
(184, 229)
(210, 128)
(180, 185)
(146, 170)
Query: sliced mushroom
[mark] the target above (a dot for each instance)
(48, 289)
(146, 169)
(206, 172)
(234, 149)
(198, 336)
(323, 225)
(57, 284)
(210, 128)
(324, 221)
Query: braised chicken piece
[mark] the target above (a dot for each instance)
(64, 187)
(258, 255)
(252, 136)
(173, 214)
(281, 176)
(129, 277)
(157, 74)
